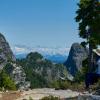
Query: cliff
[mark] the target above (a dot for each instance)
(8, 63)
(5, 52)
(76, 55)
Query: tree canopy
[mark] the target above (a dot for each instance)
(88, 17)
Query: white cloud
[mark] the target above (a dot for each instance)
(20, 49)
(45, 51)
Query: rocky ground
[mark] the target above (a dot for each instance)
(37, 94)
(12, 95)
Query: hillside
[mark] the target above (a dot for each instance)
(42, 72)
(5, 52)
(8, 67)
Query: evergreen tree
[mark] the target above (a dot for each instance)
(6, 82)
(88, 17)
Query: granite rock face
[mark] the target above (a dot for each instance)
(14, 70)
(76, 55)
(5, 52)
(18, 75)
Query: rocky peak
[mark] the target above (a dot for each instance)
(5, 52)
(8, 62)
(76, 55)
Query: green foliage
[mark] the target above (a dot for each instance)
(29, 65)
(50, 98)
(37, 81)
(6, 82)
(8, 68)
(85, 68)
(34, 56)
(60, 84)
(37, 68)
(1, 50)
(88, 15)
(84, 44)
(30, 98)
(80, 75)
(64, 85)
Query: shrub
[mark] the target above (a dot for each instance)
(50, 98)
(6, 82)
(8, 68)
(80, 75)
(61, 84)
(30, 98)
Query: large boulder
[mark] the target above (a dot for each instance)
(76, 55)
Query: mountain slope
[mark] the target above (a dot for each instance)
(5, 52)
(42, 72)
(8, 64)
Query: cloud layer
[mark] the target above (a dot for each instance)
(18, 49)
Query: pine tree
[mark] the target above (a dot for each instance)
(88, 17)
(6, 82)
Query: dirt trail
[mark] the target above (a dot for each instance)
(10, 95)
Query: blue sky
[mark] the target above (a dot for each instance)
(47, 23)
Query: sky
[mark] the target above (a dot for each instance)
(45, 23)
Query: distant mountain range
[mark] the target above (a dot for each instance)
(54, 58)
(56, 55)
(35, 68)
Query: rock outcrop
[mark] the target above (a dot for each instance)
(88, 97)
(76, 55)
(8, 62)
(5, 52)
(18, 75)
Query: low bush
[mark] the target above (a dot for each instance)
(6, 83)
(50, 98)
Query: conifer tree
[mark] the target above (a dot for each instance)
(88, 17)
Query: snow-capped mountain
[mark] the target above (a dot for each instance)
(54, 54)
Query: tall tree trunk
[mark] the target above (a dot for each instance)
(90, 58)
